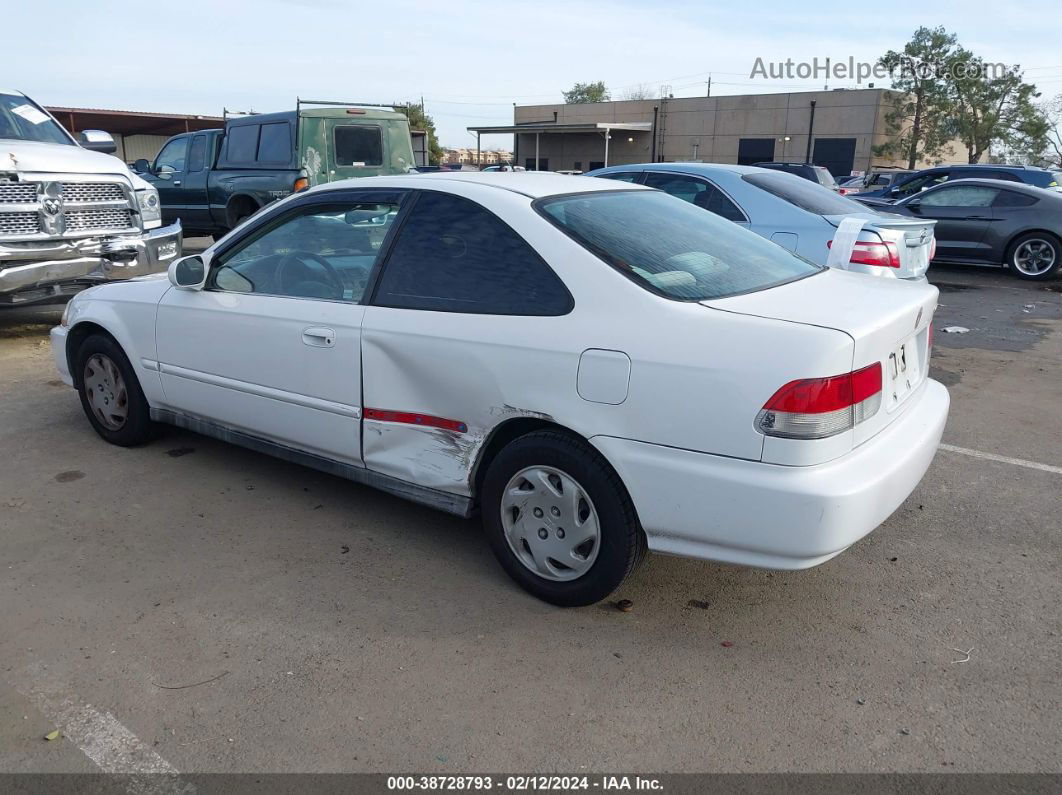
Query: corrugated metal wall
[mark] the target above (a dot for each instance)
(134, 147)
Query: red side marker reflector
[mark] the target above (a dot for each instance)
(412, 418)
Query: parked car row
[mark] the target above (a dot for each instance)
(797, 214)
(212, 180)
(1014, 223)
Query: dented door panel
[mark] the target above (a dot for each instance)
(431, 373)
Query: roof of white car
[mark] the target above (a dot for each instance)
(528, 183)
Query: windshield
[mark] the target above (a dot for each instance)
(22, 120)
(805, 194)
(673, 247)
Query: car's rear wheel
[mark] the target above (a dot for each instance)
(559, 519)
(110, 393)
(1035, 256)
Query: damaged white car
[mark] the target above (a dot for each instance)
(597, 369)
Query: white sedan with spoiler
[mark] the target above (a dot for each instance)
(596, 369)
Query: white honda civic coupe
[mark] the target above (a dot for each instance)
(596, 368)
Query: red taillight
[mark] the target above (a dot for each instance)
(814, 408)
(932, 248)
(885, 255)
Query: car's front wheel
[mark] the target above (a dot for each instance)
(110, 393)
(559, 519)
(1035, 256)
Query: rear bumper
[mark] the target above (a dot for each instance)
(780, 517)
(43, 270)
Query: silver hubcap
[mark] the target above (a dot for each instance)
(1034, 257)
(550, 523)
(105, 391)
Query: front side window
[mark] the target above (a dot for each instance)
(452, 255)
(672, 247)
(805, 194)
(960, 196)
(359, 145)
(172, 156)
(242, 143)
(922, 183)
(21, 120)
(322, 252)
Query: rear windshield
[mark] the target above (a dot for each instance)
(360, 145)
(805, 194)
(825, 177)
(672, 247)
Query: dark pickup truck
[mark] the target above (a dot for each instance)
(213, 179)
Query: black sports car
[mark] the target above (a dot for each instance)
(990, 221)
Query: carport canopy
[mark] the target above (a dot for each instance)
(549, 128)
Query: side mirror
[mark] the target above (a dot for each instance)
(914, 203)
(97, 141)
(188, 273)
(894, 191)
(166, 172)
(142, 166)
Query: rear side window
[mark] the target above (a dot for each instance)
(621, 176)
(197, 153)
(451, 255)
(274, 146)
(1008, 198)
(359, 145)
(242, 143)
(805, 194)
(696, 191)
(672, 247)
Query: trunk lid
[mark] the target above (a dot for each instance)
(888, 321)
(912, 237)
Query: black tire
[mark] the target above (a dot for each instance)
(1050, 243)
(621, 542)
(137, 427)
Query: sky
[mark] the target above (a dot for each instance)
(471, 60)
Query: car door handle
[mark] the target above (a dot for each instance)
(319, 337)
(176, 182)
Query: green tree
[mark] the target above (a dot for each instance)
(1052, 152)
(587, 92)
(419, 120)
(920, 119)
(994, 107)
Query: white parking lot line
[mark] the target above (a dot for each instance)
(1021, 462)
(109, 744)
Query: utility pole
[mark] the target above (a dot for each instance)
(709, 85)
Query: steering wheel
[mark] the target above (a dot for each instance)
(288, 260)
